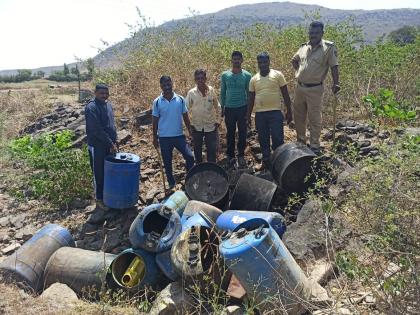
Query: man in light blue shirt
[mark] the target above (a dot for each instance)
(169, 110)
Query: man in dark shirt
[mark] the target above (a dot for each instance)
(101, 136)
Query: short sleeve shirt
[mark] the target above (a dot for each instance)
(170, 115)
(314, 62)
(204, 110)
(267, 90)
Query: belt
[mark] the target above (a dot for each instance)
(309, 84)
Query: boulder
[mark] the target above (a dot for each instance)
(59, 296)
(172, 300)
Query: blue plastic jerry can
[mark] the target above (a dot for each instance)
(231, 219)
(265, 268)
(155, 228)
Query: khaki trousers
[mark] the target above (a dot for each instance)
(308, 106)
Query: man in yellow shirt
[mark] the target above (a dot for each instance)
(265, 89)
(203, 107)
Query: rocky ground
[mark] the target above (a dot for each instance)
(310, 236)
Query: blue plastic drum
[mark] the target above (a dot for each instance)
(121, 180)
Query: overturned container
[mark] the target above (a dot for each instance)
(155, 228)
(194, 206)
(85, 272)
(253, 193)
(121, 180)
(209, 183)
(291, 167)
(231, 219)
(176, 202)
(196, 258)
(135, 270)
(265, 268)
(26, 266)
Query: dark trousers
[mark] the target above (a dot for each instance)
(97, 156)
(268, 124)
(235, 117)
(211, 141)
(167, 145)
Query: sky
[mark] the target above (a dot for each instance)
(37, 33)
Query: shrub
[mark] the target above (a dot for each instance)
(58, 174)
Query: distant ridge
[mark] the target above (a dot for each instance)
(374, 23)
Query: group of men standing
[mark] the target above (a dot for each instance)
(240, 95)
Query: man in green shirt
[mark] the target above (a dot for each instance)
(234, 88)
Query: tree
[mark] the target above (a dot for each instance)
(90, 65)
(40, 74)
(404, 35)
(24, 75)
(66, 70)
(74, 70)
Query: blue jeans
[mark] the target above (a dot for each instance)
(167, 145)
(268, 124)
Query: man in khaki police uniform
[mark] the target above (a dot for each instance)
(311, 62)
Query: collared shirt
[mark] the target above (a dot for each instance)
(170, 115)
(267, 90)
(100, 123)
(234, 88)
(314, 62)
(204, 110)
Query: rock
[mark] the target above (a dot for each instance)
(18, 220)
(233, 310)
(151, 194)
(384, 135)
(370, 299)
(60, 296)
(4, 222)
(10, 249)
(321, 272)
(172, 300)
(98, 216)
(124, 122)
(112, 240)
(123, 136)
(235, 289)
(344, 311)
(4, 237)
(305, 238)
(144, 118)
(26, 233)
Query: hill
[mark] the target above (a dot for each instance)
(231, 21)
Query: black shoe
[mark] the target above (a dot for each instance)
(241, 162)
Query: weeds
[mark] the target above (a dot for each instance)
(57, 173)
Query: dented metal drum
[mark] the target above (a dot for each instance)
(194, 206)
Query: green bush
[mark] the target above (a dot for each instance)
(384, 105)
(59, 173)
